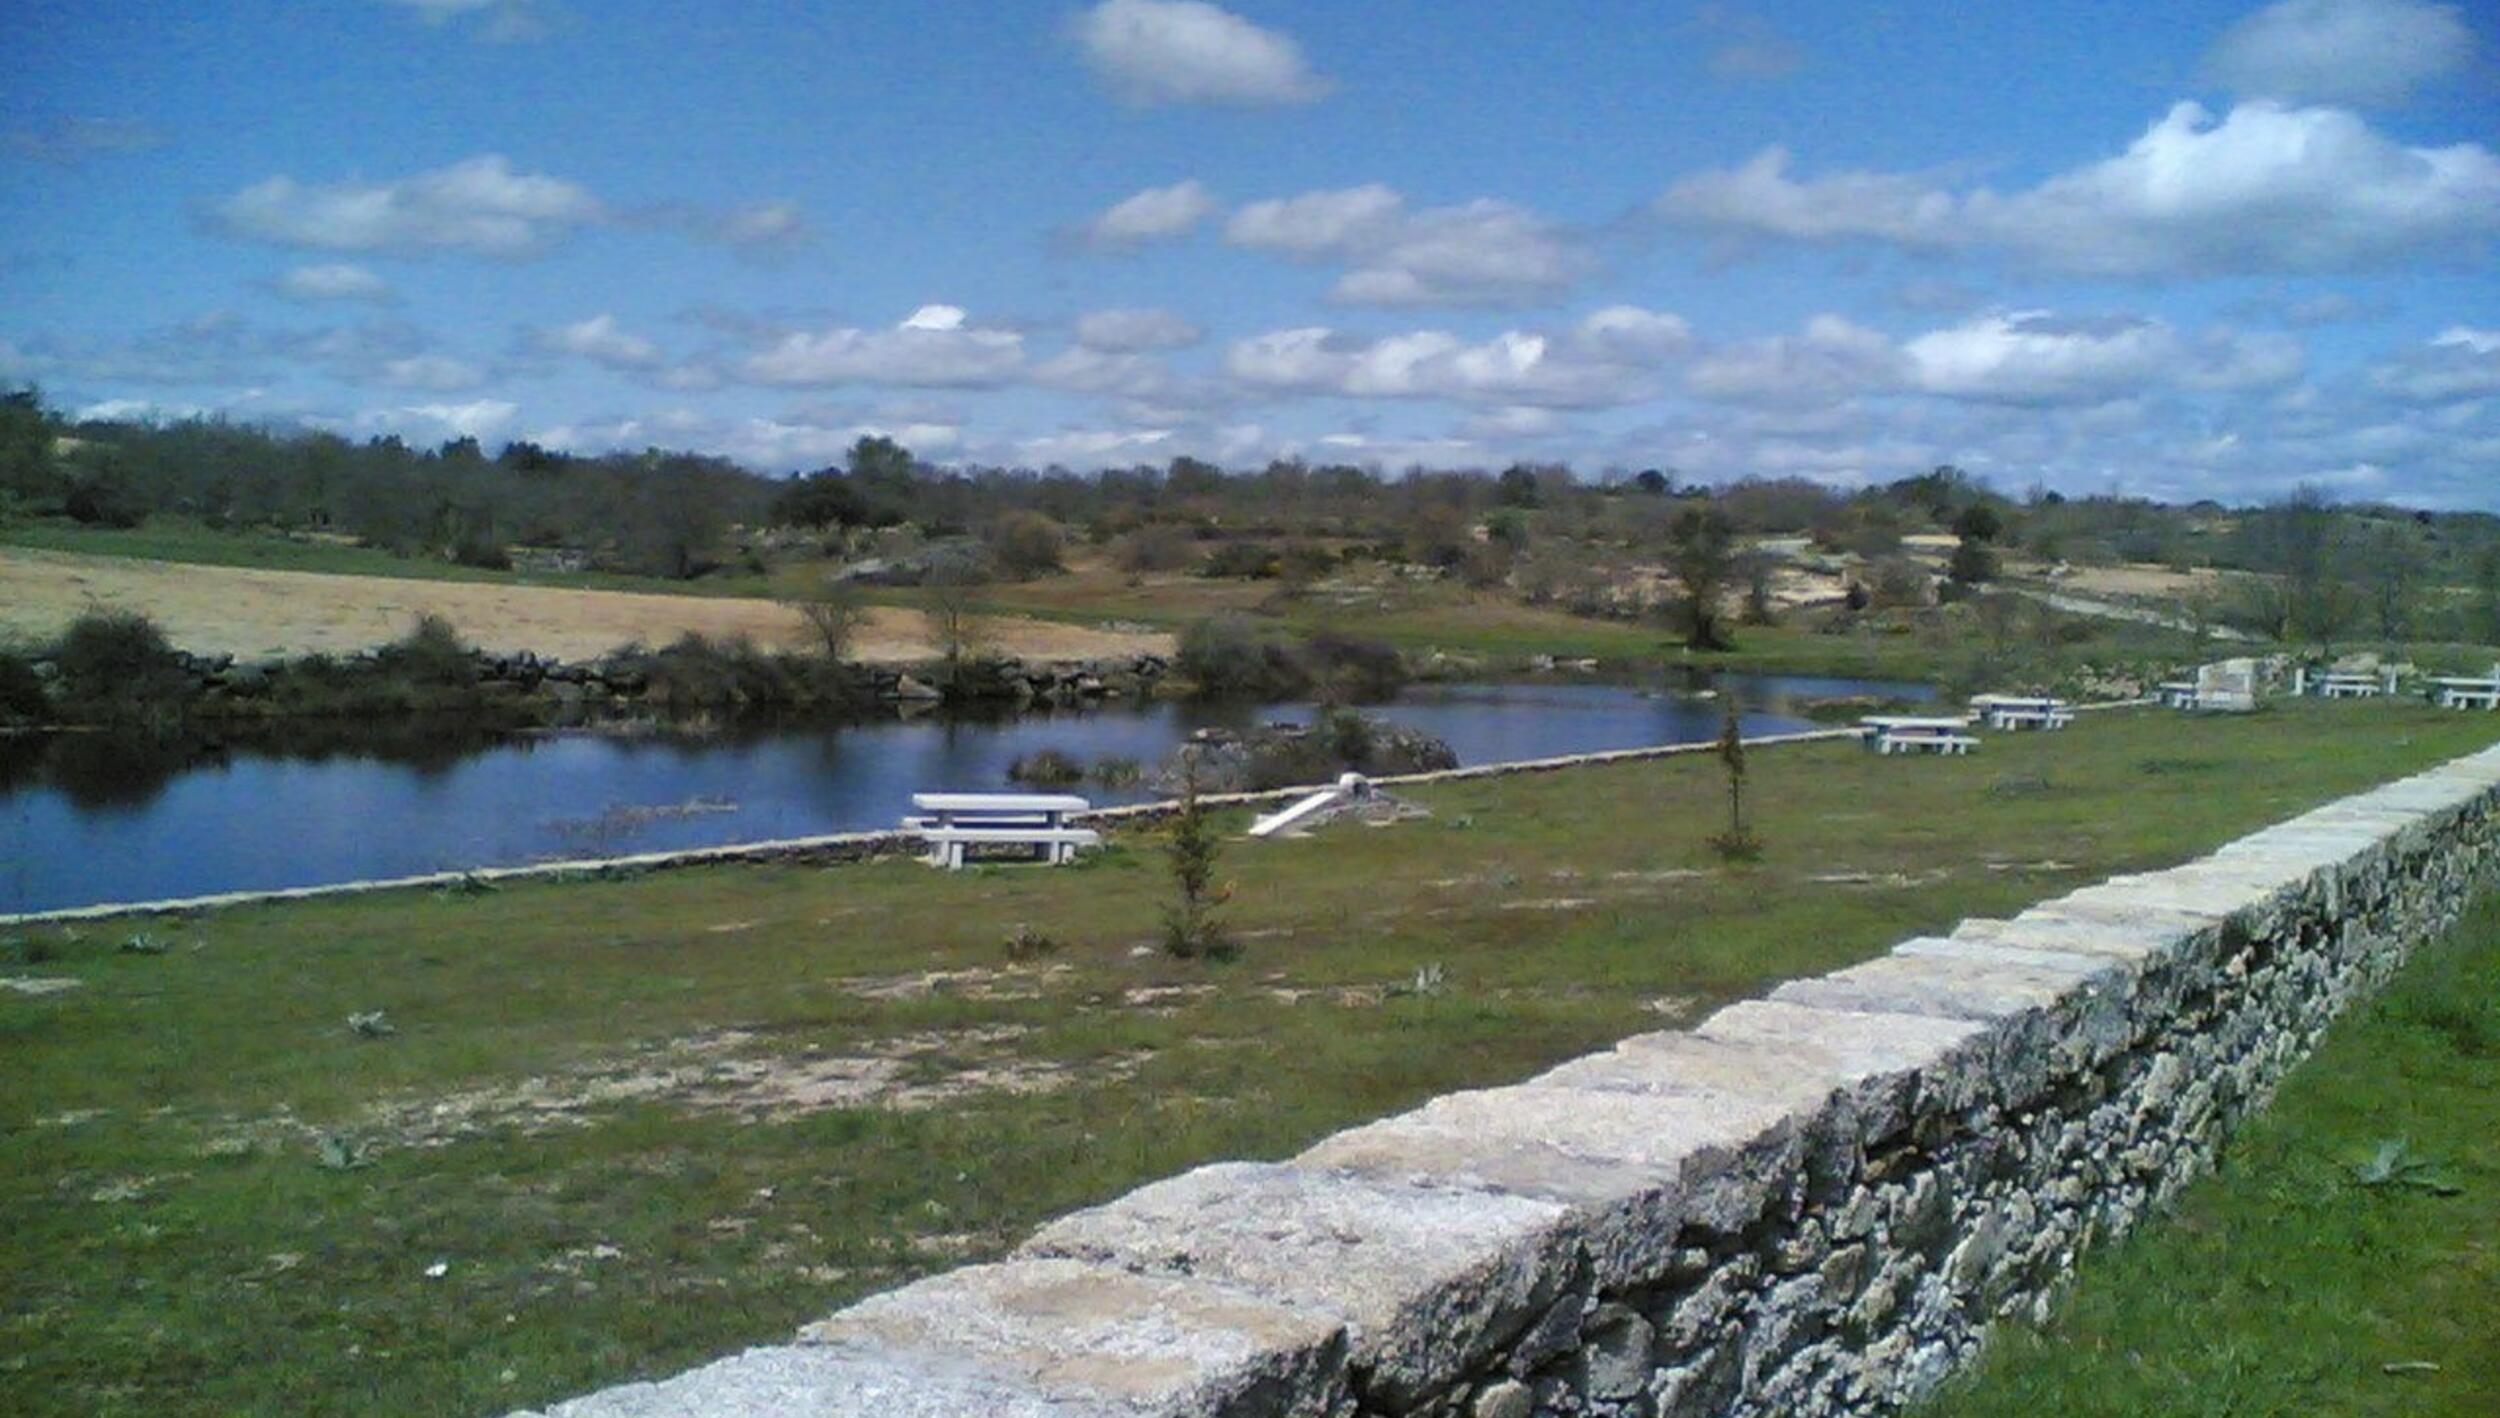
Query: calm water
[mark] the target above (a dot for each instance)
(88, 818)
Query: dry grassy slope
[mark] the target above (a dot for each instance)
(252, 614)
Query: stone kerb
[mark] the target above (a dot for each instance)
(1813, 1203)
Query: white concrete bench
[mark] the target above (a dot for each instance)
(953, 824)
(2178, 693)
(2016, 711)
(2459, 692)
(1890, 734)
(2351, 686)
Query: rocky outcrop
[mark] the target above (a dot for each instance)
(1813, 1203)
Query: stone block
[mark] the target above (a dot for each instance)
(1427, 1281)
(803, 1382)
(1096, 1338)
(1629, 1169)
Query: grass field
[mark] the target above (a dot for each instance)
(624, 1125)
(2308, 1276)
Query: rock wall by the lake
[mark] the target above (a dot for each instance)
(1813, 1203)
(530, 688)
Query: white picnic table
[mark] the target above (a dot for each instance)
(2351, 686)
(1895, 733)
(2466, 691)
(2178, 693)
(954, 823)
(2017, 711)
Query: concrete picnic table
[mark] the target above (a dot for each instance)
(2349, 685)
(2466, 691)
(2015, 711)
(1894, 733)
(2178, 693)
(953, 822)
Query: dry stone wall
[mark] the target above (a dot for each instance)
(1813, 1203)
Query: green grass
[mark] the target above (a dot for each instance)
(2290, 1282)
(176, 1244)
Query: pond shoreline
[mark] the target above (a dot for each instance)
(839, 847)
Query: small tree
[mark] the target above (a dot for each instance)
(1190, 929)
(835, 612)
(950, 601)
(1701, 550)
(1737, 843)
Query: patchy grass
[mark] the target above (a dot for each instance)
(620, 1126)
(2342, 1260)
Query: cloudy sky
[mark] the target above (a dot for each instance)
(2193, 249)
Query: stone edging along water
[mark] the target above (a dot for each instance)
(1813, 1203)
(829, 847)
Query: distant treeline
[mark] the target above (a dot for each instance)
(2327, 570)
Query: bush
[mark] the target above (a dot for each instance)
(1117, 772)
(1046, 768)
(1348, 667)
(1023, 545)
(1252, 561)
(1226, 656)
(21, 693)
(103, 500)
(1161, 547)
(118, 657)
(432, 652)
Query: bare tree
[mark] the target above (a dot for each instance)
(951, 600)
(835, 611)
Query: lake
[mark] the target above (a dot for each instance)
(88, 818)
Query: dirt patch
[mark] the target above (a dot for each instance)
(1011, 983)
(39, 985)
(262, 614)
(723, 1071)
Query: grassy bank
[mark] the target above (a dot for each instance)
(617, 1127)
(2318, 1271)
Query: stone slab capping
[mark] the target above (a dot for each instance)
(1813, 1203)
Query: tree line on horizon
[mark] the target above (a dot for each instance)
(2322, 570)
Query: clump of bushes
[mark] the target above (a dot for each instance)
(22, 698)
(431, 653)
(1229, 657)
(1250, 561)
(1046, 768)
(118, 662)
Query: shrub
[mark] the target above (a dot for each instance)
(1253, 561)
(1225, 655)
(432, 652)
(118, 657)
(1046, 768)
(1024, 545)
(1190, 928)
(1348, 667)
(1160, 547)
(1116, 773)
(21, 692)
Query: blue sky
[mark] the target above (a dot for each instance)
(2182, 250)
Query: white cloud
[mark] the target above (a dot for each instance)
(481, 419)
(2461, 362)
(2265, 188)
(765, 225)
(1146, 329)
(2353, 52)
(1156, 214)
(434, 373)
(1185, 51)
(1588, 367)
(2032, 357)
(477, 205)
(1829, 361)
(1475, 253)
(333, 281)
(601, 340)
(936, 346)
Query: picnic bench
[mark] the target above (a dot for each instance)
(2178, 693)
(954, 824)
(2018, 711)
(2466, 692)
(2343, 685)
(1896, 734)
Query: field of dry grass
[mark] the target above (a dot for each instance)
(251, 613)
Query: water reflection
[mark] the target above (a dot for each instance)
(94, 817)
